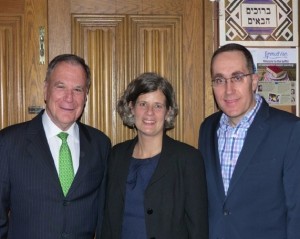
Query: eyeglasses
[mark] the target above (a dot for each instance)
(156, 107)
(235, 79)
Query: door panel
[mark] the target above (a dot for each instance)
(153, 44)
(12, 107)
(123, 38)
(21, 74)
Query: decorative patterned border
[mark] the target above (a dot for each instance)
(259, 22)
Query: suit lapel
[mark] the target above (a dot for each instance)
(255, 136)
(215, 157)
(86, 150)
(218, 171)
(39, 150)
(163, 163)
(124, 162)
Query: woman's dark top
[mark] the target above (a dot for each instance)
(140, 173)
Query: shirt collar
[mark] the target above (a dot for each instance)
(52, 130)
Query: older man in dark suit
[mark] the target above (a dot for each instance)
(52, 168)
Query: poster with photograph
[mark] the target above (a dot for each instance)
(278, 72)
(259, 23)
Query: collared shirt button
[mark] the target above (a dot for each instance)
(149, 211)
(226, 212)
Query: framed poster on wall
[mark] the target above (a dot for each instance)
(259, 22)
(278, 70)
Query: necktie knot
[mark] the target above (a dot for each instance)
(63, 136)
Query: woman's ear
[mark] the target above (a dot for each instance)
(168, 117)
(131, 106)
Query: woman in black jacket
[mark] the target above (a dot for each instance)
(156, 185)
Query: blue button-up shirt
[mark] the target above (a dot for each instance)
(231, 141)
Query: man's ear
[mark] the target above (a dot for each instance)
(255, 79)
(45, 90)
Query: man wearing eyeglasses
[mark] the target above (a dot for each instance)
(252, 156)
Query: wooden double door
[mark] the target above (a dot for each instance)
(119, 39)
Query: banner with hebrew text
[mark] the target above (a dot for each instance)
(259, 22)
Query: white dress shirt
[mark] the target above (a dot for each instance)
(54, 141)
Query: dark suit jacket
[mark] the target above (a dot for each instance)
(31, 191)
(263, 199)
(175, 199)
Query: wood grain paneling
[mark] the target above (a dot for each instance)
(128, 6)
(153, 44)
(211, 43)
(193, 70)
(100, 40)
(139, 48)
(35, 16)
(59, 25)
(11, 71)
(11, 6)
(22, 76)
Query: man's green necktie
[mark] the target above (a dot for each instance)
(66, 172)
